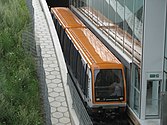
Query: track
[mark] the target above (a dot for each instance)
(118, 120)
(102, 119)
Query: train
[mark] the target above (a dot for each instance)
(98, 75)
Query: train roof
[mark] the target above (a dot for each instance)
(92, 48)
(67, 18)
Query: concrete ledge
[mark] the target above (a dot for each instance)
(61, 61)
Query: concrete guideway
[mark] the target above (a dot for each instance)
(57, 94)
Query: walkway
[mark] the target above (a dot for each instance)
(59, 111)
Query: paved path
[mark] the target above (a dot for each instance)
(59, 111)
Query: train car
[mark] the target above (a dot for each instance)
(97, 73)
(66, 18)
(63, 19)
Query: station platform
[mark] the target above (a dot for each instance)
(57, 93)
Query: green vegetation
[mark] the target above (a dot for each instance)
(19, 88)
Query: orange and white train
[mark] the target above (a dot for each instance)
(98, 74)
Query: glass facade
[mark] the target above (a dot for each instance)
(120, 20)
(135, 89)
(122, 23)
(153, 99)
(165, 61)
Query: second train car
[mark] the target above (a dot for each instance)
(98, 74)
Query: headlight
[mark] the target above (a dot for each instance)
(121, 98)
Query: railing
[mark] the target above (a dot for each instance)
(78, 105)
(28, 36)
(121, 38)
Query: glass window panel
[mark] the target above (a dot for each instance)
(139, 9)
(90, 2)
(102, 12)
(120, 22)
(112, 10)
(165, 61)
(109, 85)
(84, 3)
(136, 101)
(165, 80)
(138, 30)
(106, 13)
(152, 99)
(166, 42)
(116, 20)
(135, 89)
(137, 77)
(80, 3)
(89, 8)
(129, 26)
(79, 67)
(98, 12)
(165, 65)
(72, 2)
(112, 18)
(100, 6)
(94, 10)
(75, 3)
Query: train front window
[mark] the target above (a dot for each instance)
(109, 85)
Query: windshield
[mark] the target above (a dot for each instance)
(108, 85)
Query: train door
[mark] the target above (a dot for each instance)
(153, 100)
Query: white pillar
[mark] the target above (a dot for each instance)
(153, 44)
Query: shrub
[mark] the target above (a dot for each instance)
(19, 89)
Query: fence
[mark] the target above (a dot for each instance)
(28, 36)
(30, 46)
(78, 105)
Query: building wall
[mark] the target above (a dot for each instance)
(132, 16)
(153, 47)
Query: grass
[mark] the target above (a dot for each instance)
(19, 88)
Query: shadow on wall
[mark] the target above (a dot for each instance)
(57, 3)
